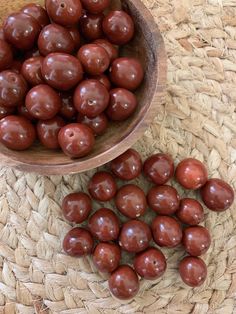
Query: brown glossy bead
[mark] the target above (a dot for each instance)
(163, 199)
(17, 132)
(196, 240)
(98, 124)
(13, 88)
(32, 71)
(62, 71)
(106, 257)
(67, 110)
(43, 102)
(135, 236)
(118, 26)
(94, 58)
(150, 264)
(126, 73)
(191, 173)
(190, 212)
(159, 168)
(127, 166)
(23, 111)
(193, 271)
(124, 283)
(104, 225)
(112, 50)
(76, 140)
(95, 6)
(102, 186)
(37, 12)
(91, 98)
(166, 231)
(21, 30)
(55, 38)
(91, 26)
(217, 195)
(6, 111)
(75, 34)
(123, 104)
(131, 201)
(48, 132)
(76, 207)
(64, 12)
(78, 242)
(6, 55)
(102, 78)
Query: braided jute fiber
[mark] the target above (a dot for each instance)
(198, 120)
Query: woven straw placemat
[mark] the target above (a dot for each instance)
(198, 120)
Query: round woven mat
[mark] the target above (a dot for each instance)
(199, 120)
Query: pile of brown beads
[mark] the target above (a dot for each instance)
(61, 77)
(176, 223)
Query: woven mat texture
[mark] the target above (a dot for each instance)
(198, 120)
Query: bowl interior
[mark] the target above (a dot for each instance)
(145, 48)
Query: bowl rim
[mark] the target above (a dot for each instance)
(158, 94)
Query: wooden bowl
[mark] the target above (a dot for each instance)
(148, 46)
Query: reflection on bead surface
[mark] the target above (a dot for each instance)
(102, 78)
(64, 12)
(43, 102)
(150, 264)
(95, 7)
(76, 140)
(91, 26)
(104, 225)
(17, 132)
(76, 207)
(123, 104)
(196, 240)
(135, 236)
(127, 166)
(55, 38)
(217, 195)
(91, 98)
(32, 71)
(21, 30)
(163, 199)
(118, 26)
(78, 242)
(13, 88)
(112, 50)
(106, 257)
(131, 201)
(126, 73)
(124, 283)
(193, 271)
(166, 231)
(98, 124)
(37, 12)
(62, 71)
(190, 212)
(159, 168)
(94, 58)
(191, 173)
(102, 186)
(48, 131)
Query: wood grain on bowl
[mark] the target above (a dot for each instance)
(148, 46)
